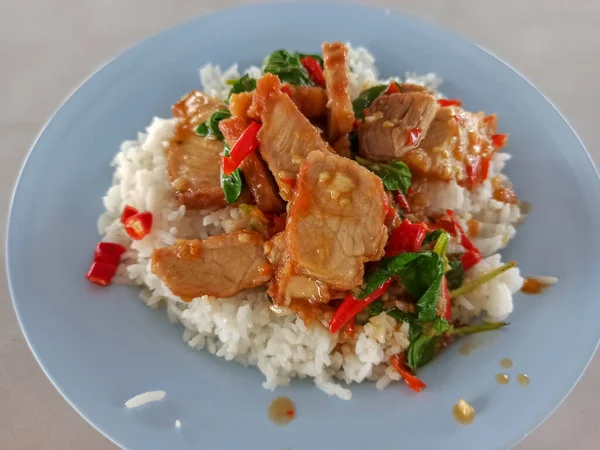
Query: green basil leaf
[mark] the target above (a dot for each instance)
(244, 84)
(375, 308)
(421, 351)
(456, 275)
(365, 99)
(202, 129)
(400, 315)
(233, 184)
(395, 176)
(385, 270)
(213, 122)
(440, 325)
(287, 66)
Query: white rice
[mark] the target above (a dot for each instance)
(177, 423)
(245, 328)
(146, 397)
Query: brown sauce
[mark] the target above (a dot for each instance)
(282, 411)
(532, 286)
(502, 378)
(506, 363)
(523, 380)
(463, 412)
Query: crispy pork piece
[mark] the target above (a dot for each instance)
(220, 266)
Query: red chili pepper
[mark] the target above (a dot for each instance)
(489, 118)
(246, 144)
(139, 225)
(101, 273)
(446, 102)
(402, 202)
(351, 328)
(499, 140)
(470, 258)
(408, 237)
(109, 252)
(128, 211)
(393, 88)
(287, 89)
(315, 72)
(289, 181)
(351, 306)
(413, 135)
(357, 124)
(400, 365)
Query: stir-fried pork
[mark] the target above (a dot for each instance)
(220, 266)
(395, 124)
(335, 225)
(341, 114)
(286, 136)
(257, 176)
(310, 100)
(194, 161)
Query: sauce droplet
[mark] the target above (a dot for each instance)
(463, 412)
(523, 379)
(502, 378)
(506, 363)
(533, 286)
(282, 411)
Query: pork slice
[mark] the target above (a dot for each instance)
(257, 176)
(286, 136)
(341, 114)
(394, 124)
(456, 140)
(220, 266)
(310, 100)
(335, 225)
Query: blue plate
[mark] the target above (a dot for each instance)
(102, 346)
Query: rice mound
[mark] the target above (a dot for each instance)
(245, 328)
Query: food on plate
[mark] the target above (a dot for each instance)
(313, 220)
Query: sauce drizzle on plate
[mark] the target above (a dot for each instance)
(282, 411)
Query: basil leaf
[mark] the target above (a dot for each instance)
(231, 184)
(456, 275)
(287, 66)
(421, 351)
(316, 56)
(202, 129)
(385, 270)
(365, 99)
(375, 308)
(432, 236)
(396, 176)
(244, 84)
(400, 316)
(440, 325)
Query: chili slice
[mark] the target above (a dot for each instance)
(109, 252)
(393, 88)
(447, 102)
(402, 202)
(400, 365)
(315, 72)
(246, 144)
(407, 237)
(101, 273)
(499, 140)
(351, 306)
(413, 135)
(128, 211)
(139, 225)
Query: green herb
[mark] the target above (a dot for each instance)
(400, 316)
(386, 269)
(231, 81)
(287, 66)
(365, 99)
(211, 126)
(473, 329)
(396, 176)
(231, 184)
(244, 84)
(421, 351)
(432, 236)
(316, 56)
(455, 275)
(474, 284)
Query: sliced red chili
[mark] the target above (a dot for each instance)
(246, 144)
(412, 136)
(287, 89)
(470, 258)
(393, 88)
(315, 72)
(400, 365)
(101, 273)
(499, 140)
(109, 252)
(402, 202)
(448, 102)
(128, 211)
(139, 225)
(407, 237)
(351, 306)
(289, 181)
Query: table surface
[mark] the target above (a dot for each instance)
(48, 47)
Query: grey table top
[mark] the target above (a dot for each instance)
(47, 47)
